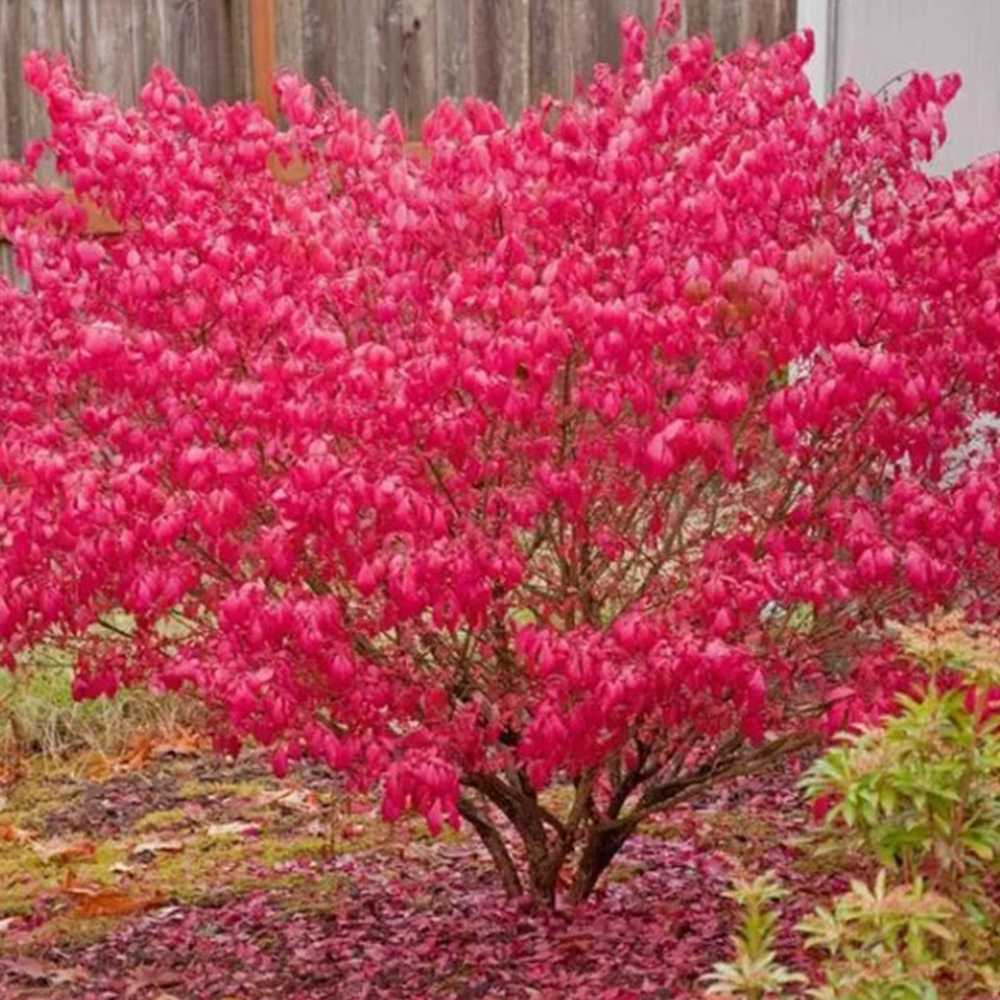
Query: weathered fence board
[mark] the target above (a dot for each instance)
(405, 54)
(114, 44)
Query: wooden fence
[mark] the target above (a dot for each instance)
(404, 54)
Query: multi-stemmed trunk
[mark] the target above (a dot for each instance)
(564, 856)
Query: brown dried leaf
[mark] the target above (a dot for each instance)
(97, 766)
(236, 829)
(298, 800)
(63, 852)
(181, 743)
(110, 903)
(158, 847)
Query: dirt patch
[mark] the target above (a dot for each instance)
(107, 809)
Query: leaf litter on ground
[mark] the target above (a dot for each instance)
(337, 907)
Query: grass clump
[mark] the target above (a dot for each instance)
(39, 715)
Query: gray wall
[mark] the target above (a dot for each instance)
(872, 41)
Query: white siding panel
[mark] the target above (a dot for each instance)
(878, 39)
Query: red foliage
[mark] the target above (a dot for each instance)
(599, 445)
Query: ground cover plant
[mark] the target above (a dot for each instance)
(590, 451)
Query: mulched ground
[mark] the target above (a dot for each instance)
(419, 919)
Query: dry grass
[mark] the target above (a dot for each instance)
(39, 717)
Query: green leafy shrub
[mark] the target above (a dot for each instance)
(921, 795)
(921, 792)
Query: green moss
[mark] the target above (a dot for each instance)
(161, 819)
(30, 801)
(21, 878)
(558, 799)
(277, 850)
(663, 831)
(822, 860)
(223, 789)
(109, 853)
(213, 867)
(418, 832)
(739, 833)
(70, 930)
(319, 894)
(201, 871)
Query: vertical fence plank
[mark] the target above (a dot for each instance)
(454, 52)
(729, 24)
(43, 25)
(762, 19)
(112, 40)
(359, 58)
(485, 52)
(215, 29)
(153, 29)
(289, 34)
(7, 269)
(608, 15)
(392, 47)
(410, 53)
(787, 17)
(549, 68)
(421, 62)
(12, 89)
(239, 33)
(581, 40)
(513, 27)
(319, 48)
(409, 46)
(698, 16)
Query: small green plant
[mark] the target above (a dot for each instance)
(921, 792)
(882, 943)
(754, 973)
(919, 795)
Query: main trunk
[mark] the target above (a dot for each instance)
(549, 865)
(599, 850)
(583, 842)
(552, 853)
